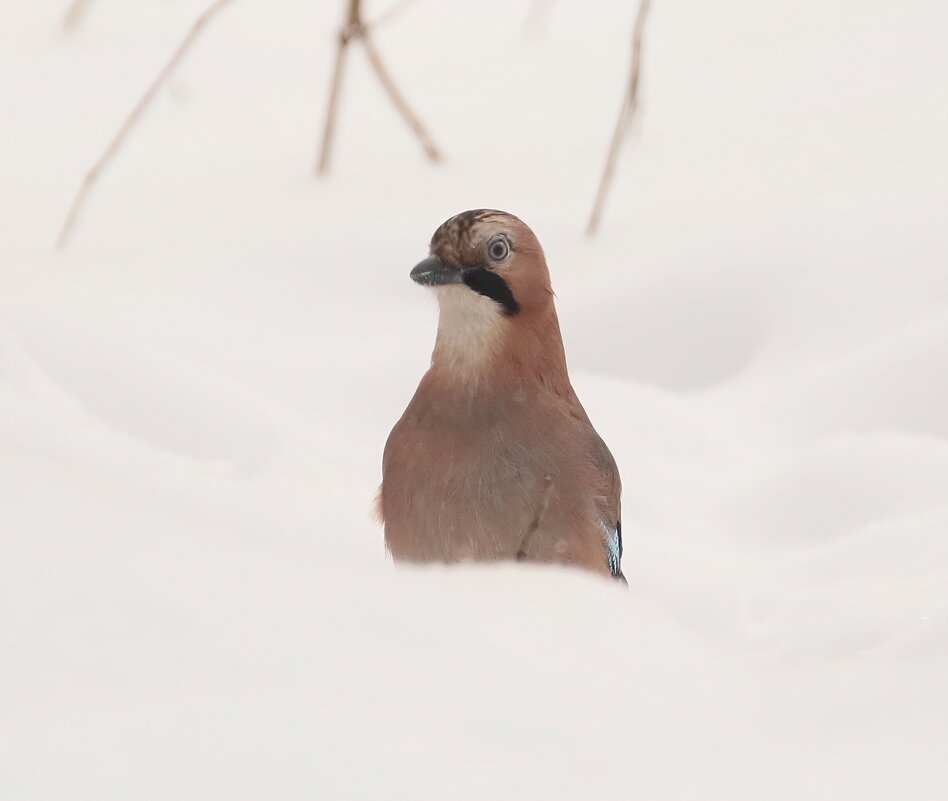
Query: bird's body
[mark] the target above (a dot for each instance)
(495, 458)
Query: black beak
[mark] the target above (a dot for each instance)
(434, 272)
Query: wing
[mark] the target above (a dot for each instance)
(608, 504)
(612, 538)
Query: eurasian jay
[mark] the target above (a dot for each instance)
(495, 458)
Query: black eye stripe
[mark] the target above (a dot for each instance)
(492, 286)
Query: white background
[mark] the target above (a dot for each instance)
(195, 601)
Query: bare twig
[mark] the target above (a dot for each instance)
(351, 28)
(118, 140)
(322, 164)
(74, 14)
(354, 28)
(626, 115)
(413, 122)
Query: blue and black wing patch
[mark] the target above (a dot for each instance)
(612, 539)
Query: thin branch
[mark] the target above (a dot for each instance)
(322, 164)
(74, 14)
(630, 104)
(354, 28)
(118, 140)
(413, 122)
(351, 29)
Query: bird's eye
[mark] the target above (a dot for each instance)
(498, 248)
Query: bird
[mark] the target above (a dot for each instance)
(495, 459)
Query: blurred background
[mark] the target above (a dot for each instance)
(195, 392)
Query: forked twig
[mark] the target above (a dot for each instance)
(626, 115)
(355, 28)
(118, 140)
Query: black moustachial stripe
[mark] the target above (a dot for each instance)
(491, 285)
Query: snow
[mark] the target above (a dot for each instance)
(194, 597)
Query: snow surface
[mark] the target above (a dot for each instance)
(194, 598)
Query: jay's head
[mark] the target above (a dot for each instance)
(490, 260)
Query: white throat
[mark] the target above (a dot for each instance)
(470, 328)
